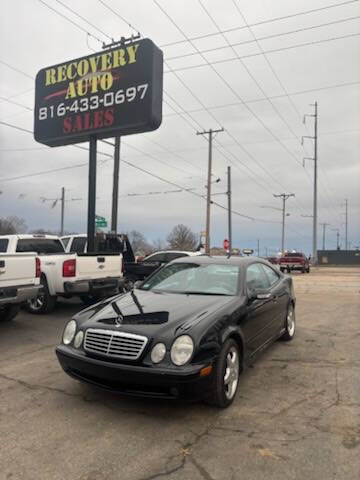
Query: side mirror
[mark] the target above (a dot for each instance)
(258, 294)
(137, 284)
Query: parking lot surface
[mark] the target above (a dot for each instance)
(296, 414)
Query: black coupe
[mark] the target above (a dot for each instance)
(188, 330)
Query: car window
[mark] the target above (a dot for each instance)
(40, 245)
(4, 242)
(256, 278)
(78, 245)
(271, 275)
(174, 255)
(157, 257)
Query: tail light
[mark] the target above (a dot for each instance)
(37, 267)
(69, 268)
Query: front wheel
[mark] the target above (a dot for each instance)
(226, 375)
(290, 324)
(8, 312)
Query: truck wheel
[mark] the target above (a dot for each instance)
(226, 375)
(8, 312)
(43, 303)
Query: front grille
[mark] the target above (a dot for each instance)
(127, 346)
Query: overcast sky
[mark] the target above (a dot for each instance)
(259, 98)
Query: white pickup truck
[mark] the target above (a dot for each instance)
(89, 276)
(19, 281)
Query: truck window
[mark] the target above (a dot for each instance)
(4, 242)
(40, 245)
(78, 245)
(65, 241)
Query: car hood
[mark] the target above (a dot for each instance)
(151, 313)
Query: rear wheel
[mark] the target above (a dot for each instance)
(226, 375)
(44, 302)
(8, 312)
(290, 324)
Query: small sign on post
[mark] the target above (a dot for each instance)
(100, 222)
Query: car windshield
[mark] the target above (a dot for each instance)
(192, 278)
(293, 254)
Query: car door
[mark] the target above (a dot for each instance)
(279, 296)
(260, 312)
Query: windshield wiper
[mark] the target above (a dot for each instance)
(205, 293)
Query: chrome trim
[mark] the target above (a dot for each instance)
(114, 344)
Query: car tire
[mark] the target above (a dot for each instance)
(8, 312)
(226, 375)
(89, 300)
(290, 324)
(43, 303)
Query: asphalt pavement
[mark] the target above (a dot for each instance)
(296, 414)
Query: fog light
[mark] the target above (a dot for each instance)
(204, 372)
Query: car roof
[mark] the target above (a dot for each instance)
(176, 251)
(222, 260)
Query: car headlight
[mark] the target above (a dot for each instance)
(78, 339)
(181, 350)
(69, 332)
(158, 353)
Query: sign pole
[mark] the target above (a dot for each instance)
(229, 210)
(91, 195)
(115, 196)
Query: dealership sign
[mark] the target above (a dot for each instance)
(111, 93)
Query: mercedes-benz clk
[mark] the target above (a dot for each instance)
(188, 330)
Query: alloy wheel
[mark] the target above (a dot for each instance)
(231, 376)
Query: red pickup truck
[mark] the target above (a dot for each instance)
(294, 261)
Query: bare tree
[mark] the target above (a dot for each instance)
(138, 242)
(182, 238)
(12, 225)
(159, 244)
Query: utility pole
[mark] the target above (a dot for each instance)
(346, 225)
(208, 195)
(258, 248)
(324, 225)
(284, 197)
(229, 209)
(115, 194)
(337, 237)
(62, 211)
(315, 159)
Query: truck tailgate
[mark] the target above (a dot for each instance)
(18, 269)
(98, 266)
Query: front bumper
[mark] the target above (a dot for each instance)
(94, 286)
(18, 295)
(292, 266)
(135, 380)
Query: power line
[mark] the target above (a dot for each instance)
(84, 19)
(274, 50)
(229, 86)
(16, 69)
(263, 22)
(258, 39)
(69, 20)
